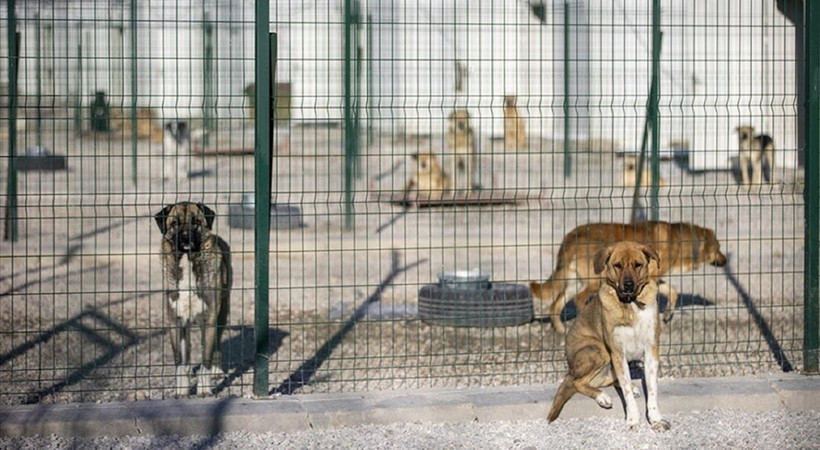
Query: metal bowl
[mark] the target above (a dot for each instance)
(473, 279)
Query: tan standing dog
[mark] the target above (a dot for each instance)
(461, 143)
(682, 247)
(621, 324)
(753, 148)
(515, 133)
(197, 278)
(631, 173)
(428, 180)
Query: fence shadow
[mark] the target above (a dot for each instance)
(760, 321)
(305, 373)
(238, 353)
(75, 324)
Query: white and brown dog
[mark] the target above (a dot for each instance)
(753, 149)
(176, 149)
(619, 325)
(461, 143)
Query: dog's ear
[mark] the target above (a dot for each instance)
(651, 255)
(162, 218)
(209, 214)
(415, 156)
(601, 258)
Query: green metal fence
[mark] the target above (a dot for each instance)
(543, 116)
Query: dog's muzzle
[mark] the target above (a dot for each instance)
(186, 242)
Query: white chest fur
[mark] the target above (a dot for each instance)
(189, 305)
(636, 339)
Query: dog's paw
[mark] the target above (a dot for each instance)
(604, 401)
(660, 426)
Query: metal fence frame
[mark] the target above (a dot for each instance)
(265, 62)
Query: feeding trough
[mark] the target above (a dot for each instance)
(468, 299)
(281, 216)
(39, 158)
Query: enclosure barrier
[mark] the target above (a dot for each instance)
(390, 177)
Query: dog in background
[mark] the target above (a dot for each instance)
(428, 180)
(176, 147)
(621, 324)
(197, 278)
(461, 142)
(515, 133)
(753, 149)
(682, 247)
(631, 173)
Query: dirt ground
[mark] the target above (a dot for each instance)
(81, 308)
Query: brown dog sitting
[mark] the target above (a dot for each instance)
(461, 144)
(515, 132)
(428, 180)
(619, 325)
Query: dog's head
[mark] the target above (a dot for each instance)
(185, 225)
(178, 131)
(711, 248)
(745, 132)
(426, 162)
(628, 267)
(460, 120)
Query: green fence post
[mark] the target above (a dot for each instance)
(567, 156)
(654, 208)
(264, 80)
(10, 232)
(209, 106)
(133, 20)
(349, 115)
(811, 308)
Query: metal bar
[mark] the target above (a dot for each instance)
(811, 308)
(133, 20)
(10, 232)
(655, 121)
(265, 45)
(567, 156)
(208, 80)
(350, 131)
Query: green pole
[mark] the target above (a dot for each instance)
(133, 20)
(264, 79)
(350, 129)
(567, 157)
(208, 82)
(654, 209)
(38, 69)
(811, 308)
(10, 232)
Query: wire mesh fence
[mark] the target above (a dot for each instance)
(411, 140)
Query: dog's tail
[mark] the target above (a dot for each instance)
(565, 392)
(555, 285)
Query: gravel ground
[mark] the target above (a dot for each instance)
(714, 429)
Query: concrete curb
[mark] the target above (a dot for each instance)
(304, 412)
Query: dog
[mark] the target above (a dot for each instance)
(682, 247)
(428, 180)
(176, 147)
(621, 324)
(515, 133)
(753, 148)
(631, 173)
(461, 142)
(197, 278)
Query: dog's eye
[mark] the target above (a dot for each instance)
(638, 265)
(618, 266)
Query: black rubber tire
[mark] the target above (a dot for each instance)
(281, 217)
(503, 305)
